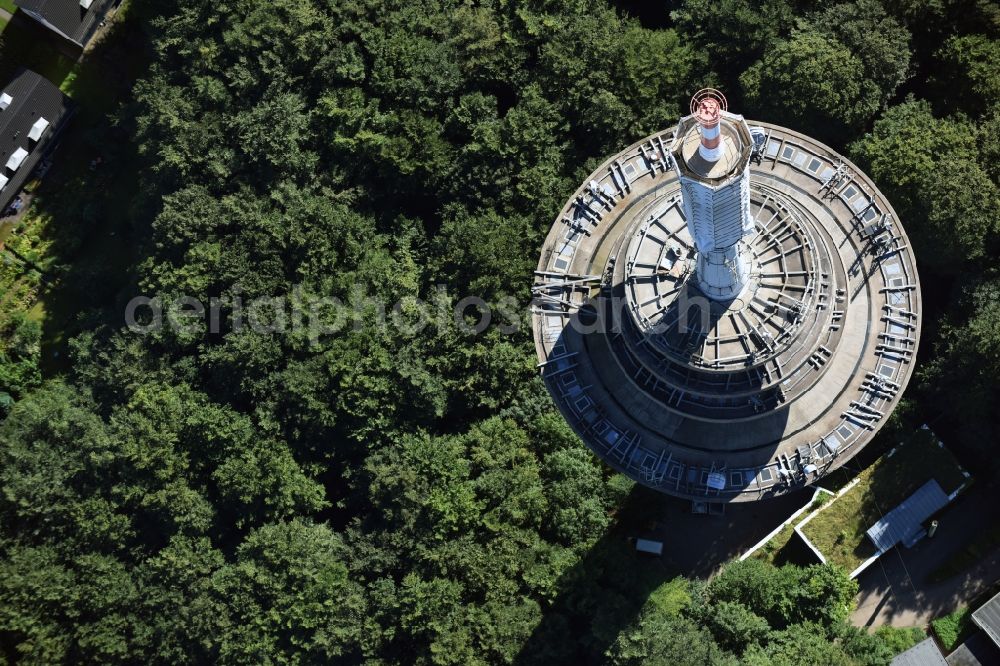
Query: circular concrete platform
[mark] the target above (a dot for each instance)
(735, 400)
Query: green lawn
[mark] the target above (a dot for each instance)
(773, 550)
(839, 530)
(8, 5)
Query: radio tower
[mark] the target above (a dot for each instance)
(805, 297)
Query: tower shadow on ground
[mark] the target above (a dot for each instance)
(606, 590)
(620, 356)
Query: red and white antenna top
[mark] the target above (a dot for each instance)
(707, 107)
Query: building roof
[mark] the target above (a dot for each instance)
(73, 19)
(32, 99)
(977, 650)
(924, 653)
(904, 522)
(987, 618)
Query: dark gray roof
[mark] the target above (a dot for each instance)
(987, 618)
(905, 520)
(924, 653)
(32, 98)
(977, 650)
(68, 16)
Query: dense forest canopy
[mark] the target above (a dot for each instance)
(393, 494)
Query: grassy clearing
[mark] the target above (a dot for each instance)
(8, 5)
(24, 265)
(900, 639)
(771, 550)
(839, 530)
(775, 550)
(953, 628)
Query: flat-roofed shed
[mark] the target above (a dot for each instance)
(924, 653)
(905, 522)
(987, 618)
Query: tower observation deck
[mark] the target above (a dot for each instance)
(725, 310)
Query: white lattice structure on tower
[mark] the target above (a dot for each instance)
(712, 160)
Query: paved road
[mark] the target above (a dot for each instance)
(894, 590)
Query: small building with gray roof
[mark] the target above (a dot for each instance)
(924, 653)
(904, 524)
(987, 618)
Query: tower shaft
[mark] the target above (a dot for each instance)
(720, 224)
(712, 159)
